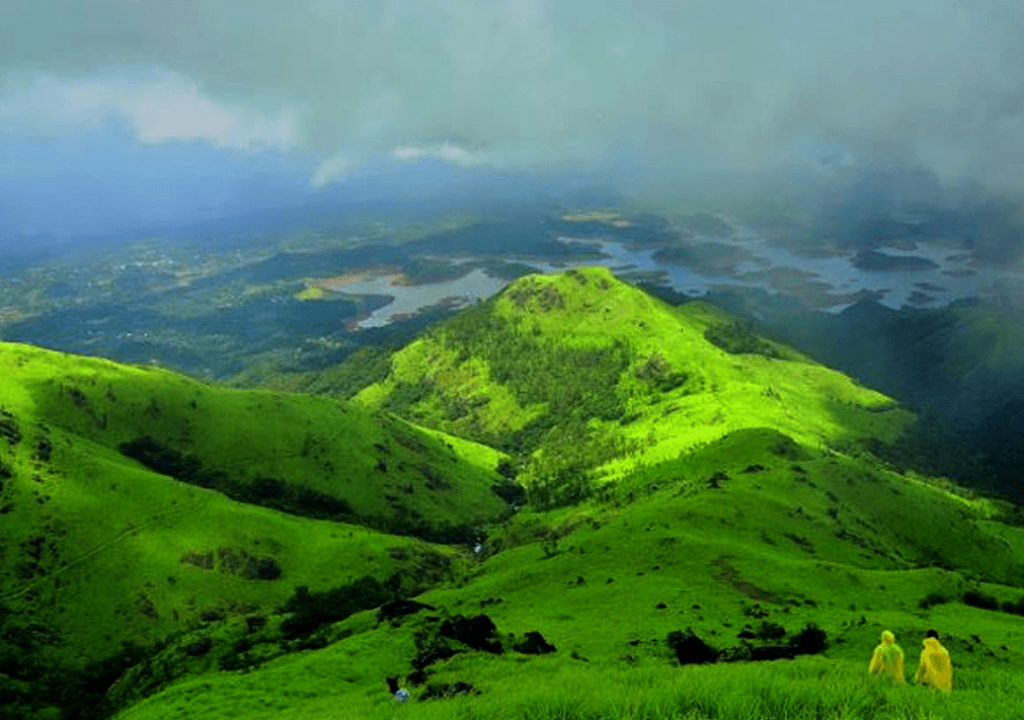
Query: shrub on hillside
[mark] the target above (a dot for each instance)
(1014, 608)
(511, 492)
(657, 372)
(165, 460)
(478, 632)
(444, 691)
(771, 631)
(268, 492)
(567, 486)
(738, 338)
(689, 648)
(311, 610)
(932, 598)
(507, 469)
(978, 599)
(809, 641)
(405, 395)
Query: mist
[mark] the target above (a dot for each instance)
(656, 97)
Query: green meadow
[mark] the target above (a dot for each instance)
(606, 582)
(528, 512)
(242, 498)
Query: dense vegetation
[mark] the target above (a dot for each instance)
(575, 385)
(738, 337)
(569, 411)
(269, 492)
(958, 367)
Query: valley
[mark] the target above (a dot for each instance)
(306, 297)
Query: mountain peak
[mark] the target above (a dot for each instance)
(576, 371)
(581, 306)
(550, 292)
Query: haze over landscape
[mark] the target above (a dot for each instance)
(532, 353)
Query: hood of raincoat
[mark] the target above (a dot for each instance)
(932, 643)
(888, 637)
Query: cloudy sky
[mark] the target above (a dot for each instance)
(170, 107)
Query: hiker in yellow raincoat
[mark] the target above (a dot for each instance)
(935, 668)
(887, 661)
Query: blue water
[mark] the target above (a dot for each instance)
(927, 287)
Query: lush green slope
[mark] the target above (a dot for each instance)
(961, 366)
(749, 532)
(232, 439)
(684, 474)
(579, 369)
(97, 549)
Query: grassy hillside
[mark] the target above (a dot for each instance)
(745, 561)
(303, 454)
(136, 503)
(581, 372)
(705, 536)
(960, 367)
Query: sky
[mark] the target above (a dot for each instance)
(115, 113)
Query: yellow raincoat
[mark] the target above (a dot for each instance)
(935, 668)
(887, 661)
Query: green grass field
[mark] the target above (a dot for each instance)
(619, 577)
(555, 690)
(606, 581)
(101, 550)
(721, 488)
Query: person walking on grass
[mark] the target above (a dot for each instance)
(887, 661)
(399, 694)
(935, 668)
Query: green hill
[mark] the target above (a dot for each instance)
(960, 366)
(136, 502)
(690, 485)
(581, 373)
(747, 561)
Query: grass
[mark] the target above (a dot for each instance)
(102, 550)
(711, 392)
(736, 505)
(620, 575)
(546, 689)
(314, 443)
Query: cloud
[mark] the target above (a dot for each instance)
(553, 83)
(328, 171)
(158, 107)
(446, 152)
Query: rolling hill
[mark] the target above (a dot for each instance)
(136, 502)
(581, 373)
(688, 483)
(960, 367)
(747, 544)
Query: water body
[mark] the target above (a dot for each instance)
(408, 299)
(832, 280)
(951, 275)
